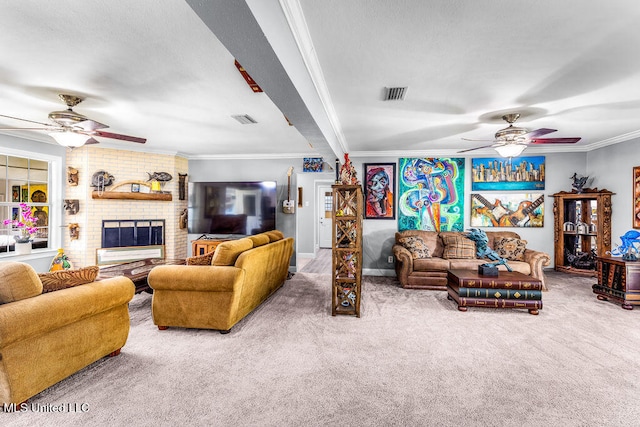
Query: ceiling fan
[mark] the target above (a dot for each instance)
(512, 140)
(71, 129)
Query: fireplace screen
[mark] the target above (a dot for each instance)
(132, 232)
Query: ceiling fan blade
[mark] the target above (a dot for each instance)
(47, 129)
(476, 140)
(118, 136)
(538, 132)
(29, 121)
(89, 125)
(477, 148)
(555, 140)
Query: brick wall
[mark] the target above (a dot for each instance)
(124, 166)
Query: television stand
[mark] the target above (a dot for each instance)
(204, 246)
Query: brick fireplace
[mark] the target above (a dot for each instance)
(124, 166)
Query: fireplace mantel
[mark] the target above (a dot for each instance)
(130, 195)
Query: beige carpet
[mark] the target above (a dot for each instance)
(411, 359)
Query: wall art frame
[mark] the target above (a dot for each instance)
(507, 210)
(526, 173)
(15, 193)
(312, 164)
(431, 194)
(379, 190)
(636, 197)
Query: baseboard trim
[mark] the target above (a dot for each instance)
(378, 272)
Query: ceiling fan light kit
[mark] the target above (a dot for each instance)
(510, 150)
(69, 139)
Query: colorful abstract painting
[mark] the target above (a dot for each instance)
(507, 210)
(636, 197)
(516, 173)
(431, 194)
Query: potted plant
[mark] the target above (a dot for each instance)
(26, 224)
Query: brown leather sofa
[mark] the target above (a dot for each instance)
(46, 337)
(431, 273)
(241, 275)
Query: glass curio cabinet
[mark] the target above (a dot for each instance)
(582, 229)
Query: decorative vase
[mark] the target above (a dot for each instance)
(23, 248)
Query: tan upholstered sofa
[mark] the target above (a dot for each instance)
(45, 337)
(431, 272)
(242, 274)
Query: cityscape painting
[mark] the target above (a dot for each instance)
(430, 194)
(500, 174)
(507, 210)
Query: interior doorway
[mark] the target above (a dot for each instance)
(324, 208)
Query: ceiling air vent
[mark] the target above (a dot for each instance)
(245, 119)
(394, 93)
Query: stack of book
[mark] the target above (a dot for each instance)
(508, 290)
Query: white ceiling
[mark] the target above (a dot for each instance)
(164, 70)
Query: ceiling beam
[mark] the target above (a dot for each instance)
(245, 39)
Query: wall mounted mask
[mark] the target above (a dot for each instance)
(74, 231)
(72, 206)
(72, 176)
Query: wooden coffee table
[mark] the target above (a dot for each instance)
(137, 271)
(509, 289)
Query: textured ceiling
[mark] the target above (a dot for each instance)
(163, 70)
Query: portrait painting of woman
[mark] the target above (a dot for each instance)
(379, 190)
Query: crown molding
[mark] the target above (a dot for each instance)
(272, 156)
(615, 140)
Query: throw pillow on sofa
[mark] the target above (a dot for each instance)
(458, 247)
(510, 248)
(200, 259)
(415, 245)
(56, 280)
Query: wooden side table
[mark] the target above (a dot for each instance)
(618, 281)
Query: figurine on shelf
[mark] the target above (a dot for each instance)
(348, 174)
(628, 249)
(578, 183)
(60, 262)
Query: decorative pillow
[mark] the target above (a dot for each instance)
(56, 280)
(416, 246)
(200, 259)
(458, 247)
(510, 248)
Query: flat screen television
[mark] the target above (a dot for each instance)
(231, 208)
